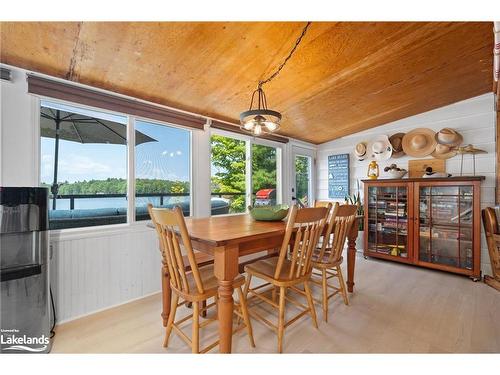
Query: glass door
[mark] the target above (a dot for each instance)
(389, 221)
(301, 193)
(302, 176)
(445, 226)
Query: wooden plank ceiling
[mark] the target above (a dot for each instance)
(345, 76)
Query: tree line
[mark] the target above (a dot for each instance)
(119, 186)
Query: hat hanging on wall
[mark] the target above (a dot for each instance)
(360, 151)
(444, 152)
(397, 145)
(419, 142)
(449, 137)
(380, 148)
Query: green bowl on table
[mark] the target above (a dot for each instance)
(269, 213)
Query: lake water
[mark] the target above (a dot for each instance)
(91, 203)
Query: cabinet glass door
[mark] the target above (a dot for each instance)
(445, 226)
(388, 220)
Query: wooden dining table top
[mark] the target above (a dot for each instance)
(224, 230)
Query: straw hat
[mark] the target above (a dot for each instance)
(397, 145)
(449, 137)
(469, 149)
(444, 152)
(360, 151)
(419, 142)
(380, 148)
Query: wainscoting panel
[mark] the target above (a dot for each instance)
(89, 274)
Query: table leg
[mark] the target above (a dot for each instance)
(351, 255)
(226, 269)
(166, 294)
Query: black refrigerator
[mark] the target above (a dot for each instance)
(25, 319)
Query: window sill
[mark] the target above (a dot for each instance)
(98, 231)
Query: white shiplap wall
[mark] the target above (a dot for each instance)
(473, 118)
(100, 270)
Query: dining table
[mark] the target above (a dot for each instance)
(226, 239)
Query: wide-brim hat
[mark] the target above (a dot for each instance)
(449, 137)
(380, 148)
(360, 151)
(419, 142)
(444, 152)
(397, 145)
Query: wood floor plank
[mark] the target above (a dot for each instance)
(395, 309)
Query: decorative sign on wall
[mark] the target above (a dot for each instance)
(338, 176)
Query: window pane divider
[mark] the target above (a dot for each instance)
(248, 174)
(131, 169)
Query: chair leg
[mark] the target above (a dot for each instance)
(342, 285)
(281, 319)
(324, 289)
(171, 319)
(203, 310)
(247, 285)
(310, 302)
(246, 317)
(195, 339)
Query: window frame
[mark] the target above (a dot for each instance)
(141, 225)
(249, 141)
(190, 173)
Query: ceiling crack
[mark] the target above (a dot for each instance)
(72, 64)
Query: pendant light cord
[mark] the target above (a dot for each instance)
(299, 39)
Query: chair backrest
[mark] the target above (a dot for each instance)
(490, 221)
(158, 232)
(330, 222)
(307, 225)
(171, 225)
(343, 221)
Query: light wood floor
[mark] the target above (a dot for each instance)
(395, 309)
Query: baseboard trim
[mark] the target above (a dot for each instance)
(105, 308)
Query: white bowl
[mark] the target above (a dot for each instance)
(396, 174)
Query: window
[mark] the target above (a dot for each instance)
(264, 175)
(243, 173)
(162, 167)
(84, 164)
(228, 182)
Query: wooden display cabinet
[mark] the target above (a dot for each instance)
(432, 223)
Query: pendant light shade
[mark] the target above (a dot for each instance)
(260, 120)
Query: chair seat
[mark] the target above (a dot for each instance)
(265, 270)
(324, 262)
(202, 260)
(210, 284)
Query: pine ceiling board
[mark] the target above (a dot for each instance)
(396, 88)
(345, 76)
(43, 46)
(203, 67)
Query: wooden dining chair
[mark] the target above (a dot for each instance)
(491, 231)
(325, 238)
(327, 259)
(202, 259)
(289, 270)
(196, 286)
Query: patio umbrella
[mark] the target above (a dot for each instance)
(68, 126)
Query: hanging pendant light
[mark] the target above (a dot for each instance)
(261, 120)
